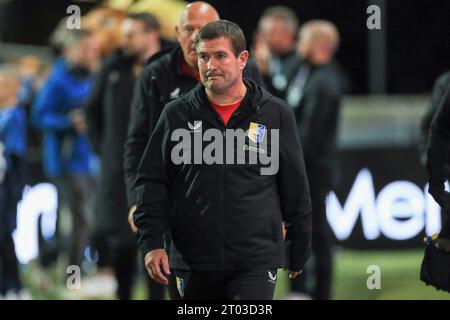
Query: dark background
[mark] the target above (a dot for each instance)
(417, 32)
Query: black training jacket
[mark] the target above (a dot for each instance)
(438, 147)
(317, 117)
(225, 216)
(160, 82)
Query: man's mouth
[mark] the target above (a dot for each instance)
(212, 75)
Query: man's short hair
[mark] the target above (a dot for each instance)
(150, 22)
(319, 29)
(223, 29)
(74, 36)
(283, 13)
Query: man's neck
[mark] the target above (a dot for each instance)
(286, 51)
(188, 66)
(188, 70)
(234, 94)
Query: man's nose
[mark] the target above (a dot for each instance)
(194, 33)
(212, 63)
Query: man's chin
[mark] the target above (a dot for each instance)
(192, 60)
(130, 54)
(214, 88)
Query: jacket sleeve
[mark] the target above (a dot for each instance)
(152, 188)
(294, 194)
(45, 111)
(94, 107)
(138, 131)
(438, 147)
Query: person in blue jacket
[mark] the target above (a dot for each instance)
(12, 178)
(58, 111)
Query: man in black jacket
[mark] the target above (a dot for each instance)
(315, 93)
(223, 201)
(166, 77)
(437, 165)
(108, 111)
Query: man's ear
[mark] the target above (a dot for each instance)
(177, 32)
(243, 58)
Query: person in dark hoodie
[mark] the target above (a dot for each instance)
(108, 112)
(167, 76)
(225, 217)
(58, 111)
(315, 94)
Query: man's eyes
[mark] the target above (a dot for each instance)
(205, 57)
(188, 30)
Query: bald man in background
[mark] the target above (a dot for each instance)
(167, 76)
(315, 94)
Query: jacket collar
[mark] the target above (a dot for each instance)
(201, 107)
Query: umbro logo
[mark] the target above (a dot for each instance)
(272, 277)
(175, 94)
(196, 127)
